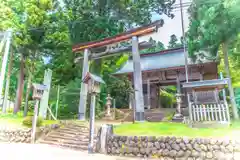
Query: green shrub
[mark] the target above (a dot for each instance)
(167, 97)
(27, 121)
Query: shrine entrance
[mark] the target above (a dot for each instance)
(125, 42)
(166, 68)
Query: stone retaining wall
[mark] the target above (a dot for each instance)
(23, 135)
(173, 148)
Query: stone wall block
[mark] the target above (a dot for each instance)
(216, 147)
(179, 140)
(209, 155)
(175, 146)
(183, 146)
(167, 147)
(160, 153)
(213, 141)
(189, 146)
(180, 153)
(162, 146)
(157, 145)
(204, 147)
(165, 152)
(210, 147)
(173, 153)
(197, 147)
(195, 153)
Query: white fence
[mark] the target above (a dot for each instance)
(210, 112)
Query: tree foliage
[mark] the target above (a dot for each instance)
(44, 32)
(212, 22)
(214, 25)
(174, 42)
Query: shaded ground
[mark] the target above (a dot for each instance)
(40, 152)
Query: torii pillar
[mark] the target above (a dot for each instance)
(84, 89)
(137, 77)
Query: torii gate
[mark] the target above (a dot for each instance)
(111, 46)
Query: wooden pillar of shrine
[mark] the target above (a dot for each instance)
(83, 92)
(148, 94)
(158, 97)
(137, 76)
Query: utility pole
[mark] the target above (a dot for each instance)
(184, 42)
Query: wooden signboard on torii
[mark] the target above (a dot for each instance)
(110, 47)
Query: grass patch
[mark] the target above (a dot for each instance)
(175, 129)
(17, 120)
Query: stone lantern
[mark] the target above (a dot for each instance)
(178, 117)
(108, 104)
(38, 90)
(94, 83)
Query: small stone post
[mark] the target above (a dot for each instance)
(92, 119)
(108, 104)
(34, 121)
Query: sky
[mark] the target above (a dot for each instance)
(171, 26)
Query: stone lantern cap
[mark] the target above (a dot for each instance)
(39, 86)
(95, 78)
(38, 90)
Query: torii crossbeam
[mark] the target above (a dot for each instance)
(109, 47)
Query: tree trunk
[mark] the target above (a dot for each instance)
(27, 94)
(18, 99)
(231, 92)
(5, 104)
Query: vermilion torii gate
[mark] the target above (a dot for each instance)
(111, 46)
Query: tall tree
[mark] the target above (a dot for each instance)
(174, 43)
(156, 46)
(213, 24)
(28, 19)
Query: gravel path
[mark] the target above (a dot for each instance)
(46, 152)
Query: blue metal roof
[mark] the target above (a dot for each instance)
(172, 58)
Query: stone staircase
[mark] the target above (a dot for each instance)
(73, 136)
(149, 115)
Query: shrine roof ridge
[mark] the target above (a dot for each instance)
(212, 82)
(165, 51)
(140, 31)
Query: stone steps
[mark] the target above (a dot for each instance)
(73, 132)
(149, 115)
(67, 136)
(71, 136)
(65, 145)
(64, 141)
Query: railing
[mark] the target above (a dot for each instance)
(210, 112)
